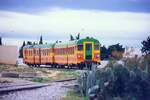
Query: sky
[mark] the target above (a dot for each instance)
(109, 21)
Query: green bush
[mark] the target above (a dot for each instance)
(141, 62)
(116, 82)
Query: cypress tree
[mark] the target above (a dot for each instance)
(71, 38)
(78, 36)
(0, 40)
(41, 40)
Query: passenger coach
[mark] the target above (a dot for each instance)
(78, 53)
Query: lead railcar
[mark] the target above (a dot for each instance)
(78, 53)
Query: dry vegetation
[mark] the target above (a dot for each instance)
(42, 74)
(14, 68)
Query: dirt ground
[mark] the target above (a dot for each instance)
(37, 74)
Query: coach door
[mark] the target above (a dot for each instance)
(88, 51)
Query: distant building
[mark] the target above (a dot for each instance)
(8, 54)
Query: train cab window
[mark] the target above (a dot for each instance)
(96, 47)
(88, 47)
(80, 47)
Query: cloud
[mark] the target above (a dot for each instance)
(59, 23)
(34, 6)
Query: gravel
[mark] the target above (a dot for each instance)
(56, 91)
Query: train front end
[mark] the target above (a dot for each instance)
(88, 51)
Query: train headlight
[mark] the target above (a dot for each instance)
(80, 56)
(97, 55)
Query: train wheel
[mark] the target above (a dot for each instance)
(52, 66)
(80, 66)
(68, 66)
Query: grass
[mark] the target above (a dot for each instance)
(61, 75)
(71, 95)
(65, 74)
(40, 80)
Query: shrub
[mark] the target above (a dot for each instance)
(141, 62)
(116, 82)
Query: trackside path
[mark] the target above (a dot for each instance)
(54, 91)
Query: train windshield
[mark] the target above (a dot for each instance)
(80, 47)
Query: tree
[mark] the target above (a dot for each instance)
(146, 46)
(29, 43)
(41, 40)
(71, 38)
(104, 53)
(21, 50)
(34, 43)
(116, 51)
(0, 40)
(78, 36)
(23, 44)
(146, 50)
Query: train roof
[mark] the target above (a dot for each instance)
(39, 46)
(28, 46)
(88, 39)
(43, 46)
(65, 44)
(76, 42)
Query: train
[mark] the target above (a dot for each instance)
(77, 53)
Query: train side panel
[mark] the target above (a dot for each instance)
(72, 55)
(46, 56)
(60, 56)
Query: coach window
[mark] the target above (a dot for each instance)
(63, 51)
(73, 50)
(58, 51)
(44, 52)
(69, 51)
(29, 53)
(47, 52)
(96, 47)
(37, 52)
(80, 47)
